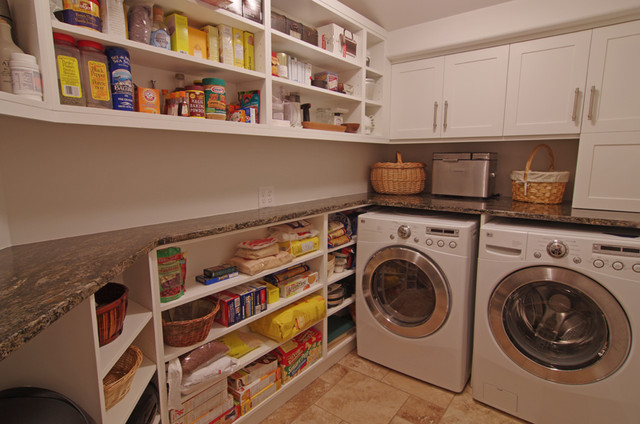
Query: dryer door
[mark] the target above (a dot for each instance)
(406, 292)
(559, 325)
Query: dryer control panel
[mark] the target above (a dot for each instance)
(611, 256)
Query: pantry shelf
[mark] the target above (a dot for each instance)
(219, 330)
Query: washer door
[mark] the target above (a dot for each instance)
(406, 292)
(559, 325)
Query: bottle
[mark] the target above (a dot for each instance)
(159, 33)
(7, 46)
(95, 74)
(68, 64)
(293, 112)
(120, 78)
(25, 76)
(179, 82)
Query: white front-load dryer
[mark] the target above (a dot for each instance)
(414, 293)
(557, 309)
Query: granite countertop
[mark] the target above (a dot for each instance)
(39, 282)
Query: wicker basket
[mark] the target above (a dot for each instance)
(111, 308)
(539, 186)
(190, 323)
(118, 381)
(398, 178)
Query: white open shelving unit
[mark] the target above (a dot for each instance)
(34, 26)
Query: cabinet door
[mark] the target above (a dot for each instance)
(545, 85)
(416, 93)
(613, 98)
(607, 172)
(474, 92)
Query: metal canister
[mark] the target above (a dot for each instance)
(195, 98)
(215, 105)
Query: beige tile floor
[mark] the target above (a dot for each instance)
(358, 391)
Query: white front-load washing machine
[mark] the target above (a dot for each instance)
(557, 307)
(414, 293)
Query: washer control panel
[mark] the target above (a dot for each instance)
(606, 257)
(434, 237)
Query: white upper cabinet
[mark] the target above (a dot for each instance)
(416, 99)
(474, 93)
(545, 85)
(613, 91)
(460, 95)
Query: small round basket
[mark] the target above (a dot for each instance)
(111, 309)
(187, 324)
(399, 177)
(539, 186)
(118, 381)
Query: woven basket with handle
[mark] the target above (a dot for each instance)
(539, 186)
(399, 177)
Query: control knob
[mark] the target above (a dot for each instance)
(557, 249)
(404, 231)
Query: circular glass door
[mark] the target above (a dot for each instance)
(559, 325)
(406, 292)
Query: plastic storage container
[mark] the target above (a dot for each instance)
(95, 74)
(215, 103)
(68, 64)
(7, 47)
(25, 76)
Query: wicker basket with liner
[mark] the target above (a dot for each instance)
(539, 186)
(399, 177)
(187, 324)
(118, 381)
(111, 309)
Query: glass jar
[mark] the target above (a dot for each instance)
(95, 74)
(68, 65)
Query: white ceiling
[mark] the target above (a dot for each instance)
(394, 14)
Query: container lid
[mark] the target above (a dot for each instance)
(63, 37)
(23, 57)
(89, 43)
(213, 81)
(194, 87)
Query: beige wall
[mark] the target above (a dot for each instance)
(64, 180)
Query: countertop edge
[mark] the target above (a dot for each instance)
(57, 275)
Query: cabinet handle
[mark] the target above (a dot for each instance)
(446, 110)
(435, 115)
(576, 95)
(591, 100)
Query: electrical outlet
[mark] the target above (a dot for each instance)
(266, 197)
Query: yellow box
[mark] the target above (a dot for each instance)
(238, 48)
(147, 100)
(213, 52)
(178, 27)
(225, 43)
(249, 55)
(197, 43)
(273, 293)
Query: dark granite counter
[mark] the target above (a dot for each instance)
(39, 282)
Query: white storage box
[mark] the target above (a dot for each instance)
(338, 41)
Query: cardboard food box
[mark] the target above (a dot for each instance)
(178, 26)
(213, 50)
(238, 47)
(252, 9)
(197, 43)
(225, 44)
(206, 412)
(259, 398)
(147, 100)
(252, 372)
(297, 284)
(245, 393)
(230, 311)
(248, 42)
(216, 393)
(246, 300)
(338, 41)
